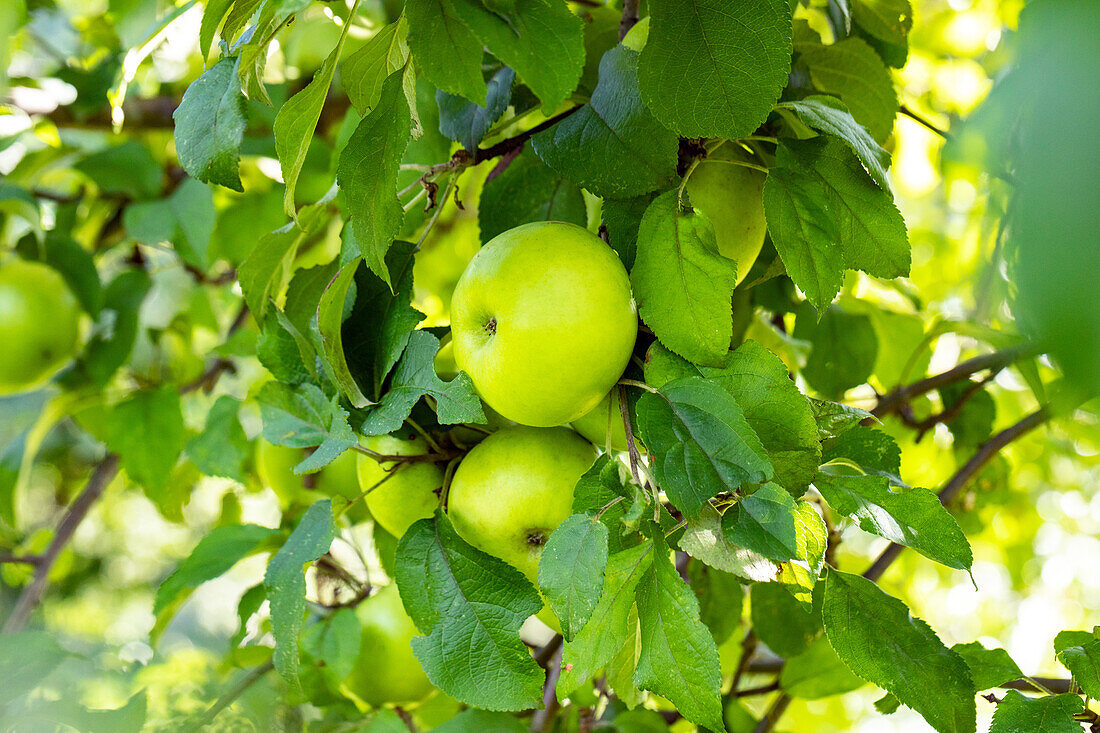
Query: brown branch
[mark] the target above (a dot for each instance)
(21, 559)
(32, 594)
(543, 720)
(629, 19)
(950, 413)
(962, 477)
(775, 712)
(229, 697)
(998, 360)
(761, 690)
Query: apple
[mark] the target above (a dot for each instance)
(341, 478)
(39, 324)
(513, 490)
(407, 496)
(275, 467)
(595, 423)
(543, 321)
(732, 197)
(386, 671)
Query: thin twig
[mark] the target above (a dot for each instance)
(21, 559)
(924, 122)
(74, 515)
(411, 458)
(229, 697)
(775, 712)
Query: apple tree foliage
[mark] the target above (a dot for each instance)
(763, 408)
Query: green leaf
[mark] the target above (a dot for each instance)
(128, 169)
(871, 448)
(285, 581)
(830, 116)
(833, 418)
(720, 597)
(302, 417)
(817, 673)
(264, 273)
(599, 485)
(365, 71)
(877, 638)
(334, 643)
(887, 20)
(914, 518)
(541, 39)
(130, 425)
(1047, 714)
(773, 406)
(764, 523)
(853, 71)
(445, 48)
(186, 219)
(612, 146)
(622, 218)
(571, 570)
(214, 555)
(528, 191)
(222, 448)
(1083, 660)
(712, 68)
(471, 606)
(682, 284)
(799, 576)
(296, 122)
(844, 348)
(704, 540)
(26, 658)
(826, 213)
(368, 170)
(467, 122)
(456, 401)
(212, 15)
(75, 264)
(679, 659)
(210, 123)
(303, 294)
(609, 627)
(377, 329)
(116, 327)
(989, 668)
(620, 670)
(700, 442)
(786, 626)
(330, 320)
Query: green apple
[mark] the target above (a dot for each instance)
(341, 478)
(39, 324)
(386, 671)
(606, 421)
(543, 321)
(275, 467)
(732, 197)
(407, 496)
(513, 490)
